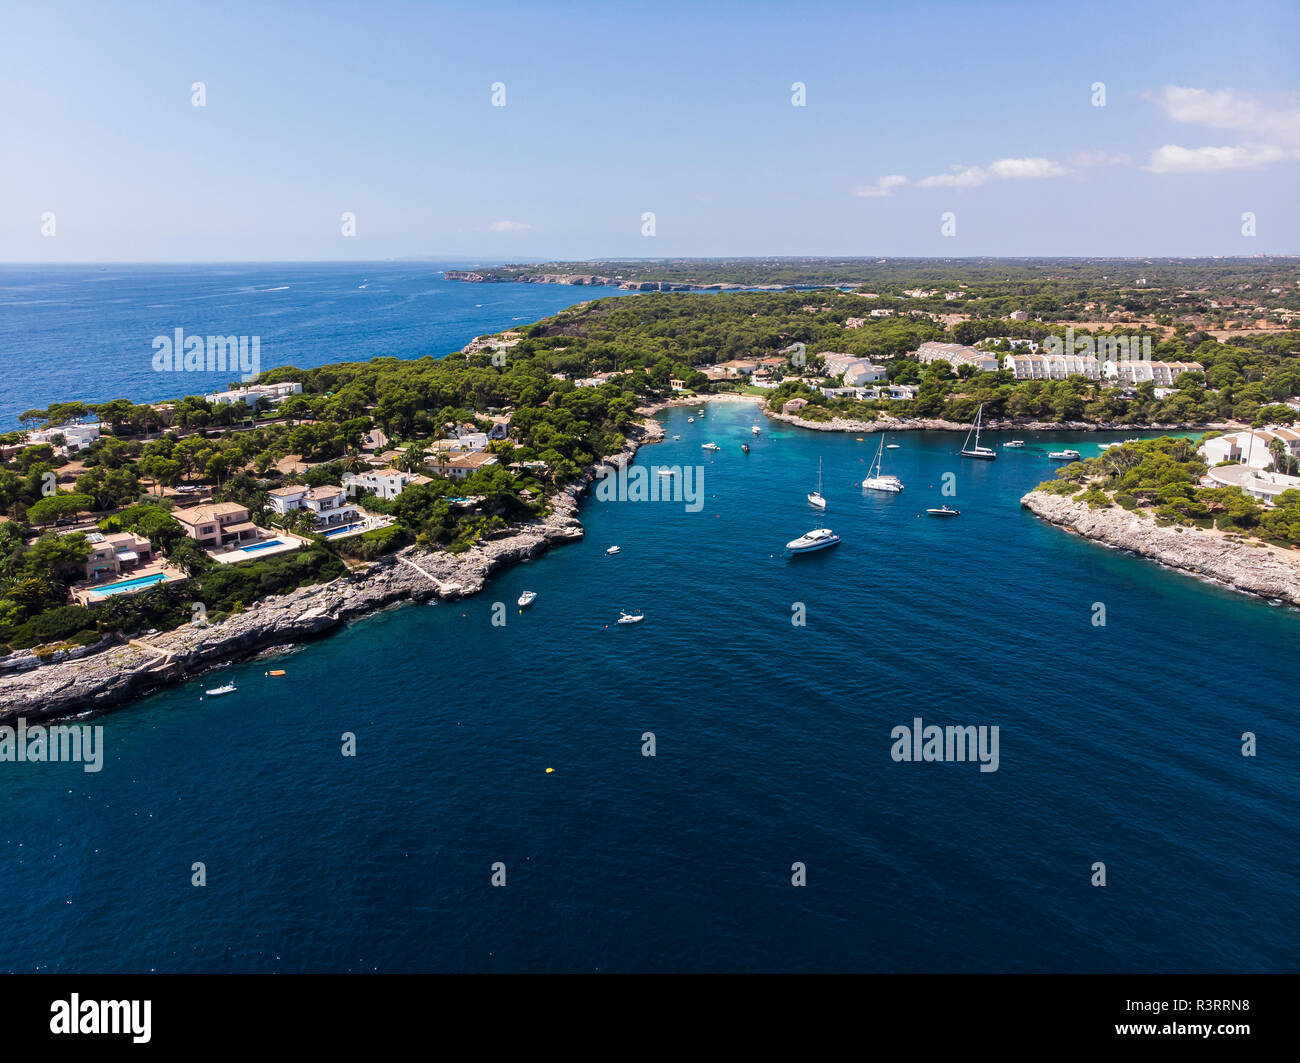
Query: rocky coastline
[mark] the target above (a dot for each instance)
(887, 423)
(1241, 564)
(121, 670)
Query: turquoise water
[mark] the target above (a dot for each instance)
(118, 588)
(1119, 744)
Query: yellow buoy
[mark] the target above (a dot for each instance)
(549, 770)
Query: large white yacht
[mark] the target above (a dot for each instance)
(818, 539)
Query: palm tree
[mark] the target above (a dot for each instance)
(1278, 449)
(412, 459)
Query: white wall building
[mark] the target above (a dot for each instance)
(1129, 371)
(385, 483)
(273, 393)
(956, 354)
(1239, 447)
(330, 504)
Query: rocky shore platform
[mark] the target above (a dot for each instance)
(126, 669)
(1233, 561)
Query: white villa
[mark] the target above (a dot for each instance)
(273, 393)
(330, 504)
(384, 483)
(459, 466)
(75, 436)
(1239, 447)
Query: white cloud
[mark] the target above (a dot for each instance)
(1267, 132)
(1028, 169)
(1171, 158)
(883, 187)
(511, 227)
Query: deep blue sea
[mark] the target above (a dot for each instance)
(86, 332)
(1119, 744)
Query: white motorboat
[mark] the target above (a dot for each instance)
(690, 420)
(878, 481)
(977, 451)
(710, 446)
(944, 511)
(612, 550)
(667, 472)
(677, 437)
(630, 618)
(891, 446)
(527, 598)
(756, 430)
(1064, 455)
(1014, 443)
(229, 688)
(818, 539)
(815, 497)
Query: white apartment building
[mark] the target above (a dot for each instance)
(956, 354)
(1132, 371)
(1052, 366)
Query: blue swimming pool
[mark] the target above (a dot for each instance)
(128, 585)
(261, 546)
(340, 531)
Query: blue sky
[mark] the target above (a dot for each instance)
(384, 110)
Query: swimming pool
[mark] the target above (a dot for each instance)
(340, 531)
(129, 585)
(261, 546)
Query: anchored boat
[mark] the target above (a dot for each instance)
(977, 451)
(818, 539)
(878, 481)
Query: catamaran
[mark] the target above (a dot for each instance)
(977, 451)
(818, 539)
(878, 481)
(815, 497)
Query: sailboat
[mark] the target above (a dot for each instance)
(815, 497)
(878, 481)
(977, 451)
